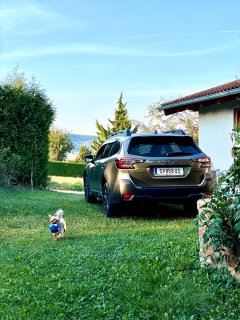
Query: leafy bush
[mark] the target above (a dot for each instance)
(66, 169)
(223, 209)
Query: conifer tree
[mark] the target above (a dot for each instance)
(102, 135)
(121, 122)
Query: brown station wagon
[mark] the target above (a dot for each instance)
(167, 167)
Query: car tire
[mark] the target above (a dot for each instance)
(109, 208)
(89, 197)
(190, 208)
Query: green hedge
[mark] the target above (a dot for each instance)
(26, 114)
(66, 169)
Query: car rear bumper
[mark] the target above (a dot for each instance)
(177, 194)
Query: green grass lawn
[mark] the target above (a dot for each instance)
(126, 268)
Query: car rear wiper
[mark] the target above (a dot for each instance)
(178, 153)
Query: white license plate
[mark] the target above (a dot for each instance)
(166, 172)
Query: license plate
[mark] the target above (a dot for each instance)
(166, 172)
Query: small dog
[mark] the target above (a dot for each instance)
(58, 219)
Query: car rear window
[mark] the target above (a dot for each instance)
(162, 146)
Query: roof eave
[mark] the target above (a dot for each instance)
(194, 104)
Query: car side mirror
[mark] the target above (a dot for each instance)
(89, 159)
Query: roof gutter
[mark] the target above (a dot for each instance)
(200, 99)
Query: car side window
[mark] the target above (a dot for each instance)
(100, 153)
(115, 148)
(107, 150)
(104, 151)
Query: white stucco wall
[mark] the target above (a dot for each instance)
(215, 126)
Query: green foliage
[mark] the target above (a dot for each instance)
(26, 114)
(236, 143)
(9, 167)
(60, 144)
(223, 225)
(121, 122)
(156, 120)
(102, 135)
(82, 153)
(66, 169)
(111, 269)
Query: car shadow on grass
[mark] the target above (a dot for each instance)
(157, 210)
(150, 210)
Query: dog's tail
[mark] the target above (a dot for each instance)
(60, 213)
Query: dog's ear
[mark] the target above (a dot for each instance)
(49, 216)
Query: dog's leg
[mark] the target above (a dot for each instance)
(61, 235)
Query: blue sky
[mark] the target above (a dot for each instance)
(85, 52)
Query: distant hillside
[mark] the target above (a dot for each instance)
(81, 140)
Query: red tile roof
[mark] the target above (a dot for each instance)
(222, 88)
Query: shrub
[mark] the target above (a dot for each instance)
(223, 209)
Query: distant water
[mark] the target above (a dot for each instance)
(81, 140)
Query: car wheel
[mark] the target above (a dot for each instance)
(89, 198)
(190, 208)
(109, 208)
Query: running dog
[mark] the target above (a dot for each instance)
(58, 224)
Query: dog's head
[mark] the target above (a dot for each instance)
(54, 219)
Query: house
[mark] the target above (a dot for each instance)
(219, 113)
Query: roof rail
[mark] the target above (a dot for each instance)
(124, 133)
(178, 131)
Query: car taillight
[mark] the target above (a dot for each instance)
(127, 163)
(205, 162)
(127, 196)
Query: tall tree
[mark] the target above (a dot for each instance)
(60, 144)
(121, 122)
